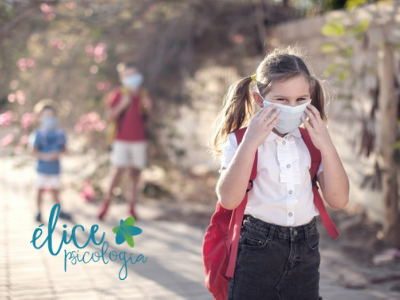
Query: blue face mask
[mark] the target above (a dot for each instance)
(49, 122)
(133, 81)
(289, 116)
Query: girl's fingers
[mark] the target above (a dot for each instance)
(310, 114)
(266, 111)
(273, 123)
(315, 113)
(307, 124)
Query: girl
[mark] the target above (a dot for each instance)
(278, 256)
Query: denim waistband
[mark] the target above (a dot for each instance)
(283, 232)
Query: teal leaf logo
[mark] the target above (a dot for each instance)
(126, 231)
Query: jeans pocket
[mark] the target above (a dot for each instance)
(254, 239)
(312, 240)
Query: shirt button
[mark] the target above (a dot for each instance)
(290, 214)
(283, 143)
(290, 191)
(288, 166)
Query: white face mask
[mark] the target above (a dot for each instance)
(289, 116)
(133, 81)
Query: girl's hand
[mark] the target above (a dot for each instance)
(316, 127)
(260, 127)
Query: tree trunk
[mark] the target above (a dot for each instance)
(388, 108)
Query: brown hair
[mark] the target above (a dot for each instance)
(238, 108)
(127, 65)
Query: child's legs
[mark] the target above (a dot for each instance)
(134, 176)
(114, 182)
(39, 198)
(303, 276)
(137, 162)
(276, 263)
(259, 265)
(46, 181)
(55, 193)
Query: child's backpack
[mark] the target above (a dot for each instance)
(112, 126)
(221, 239)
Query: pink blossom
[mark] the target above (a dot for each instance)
(27, 120)
(103, 85)
(17, 149)
(49, 16)
(20, 96)
(70, 5)
(7, 140)
(11, 98)
(6, 118)
(89, 122)
(99, 52)
(46, 8)
(89, 49)
(30, 63)
(23, 140)
(238, 38)
(100, 49)
(25, 63)
(58, 44)
(88, 193)
(100, 126)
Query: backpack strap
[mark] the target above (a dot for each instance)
(319, 204)
(238, 213)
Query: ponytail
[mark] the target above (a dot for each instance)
(318, 97)
(236, 112)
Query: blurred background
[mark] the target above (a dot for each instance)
(190, 52)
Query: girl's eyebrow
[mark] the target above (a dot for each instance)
(286, 97)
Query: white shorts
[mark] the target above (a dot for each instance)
(48, 181)
(129, 154)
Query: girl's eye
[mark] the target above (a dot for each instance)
(280, 99)
(301, 99)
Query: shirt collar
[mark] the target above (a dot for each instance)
(272, 136)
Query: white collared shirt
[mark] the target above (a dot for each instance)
(282, 191)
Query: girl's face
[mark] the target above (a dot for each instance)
(294, 91)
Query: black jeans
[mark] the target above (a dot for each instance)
(276, 262)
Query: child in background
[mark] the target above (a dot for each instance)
(278, 256)
(129, 108)
(49, 142)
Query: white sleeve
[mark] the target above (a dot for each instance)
(228, 150)
(320, 169)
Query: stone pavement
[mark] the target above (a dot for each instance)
(173, 269)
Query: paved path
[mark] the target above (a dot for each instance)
(173, 269)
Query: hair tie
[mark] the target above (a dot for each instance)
(254, 77)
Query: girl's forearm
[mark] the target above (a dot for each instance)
(232, 184)
(336, 183)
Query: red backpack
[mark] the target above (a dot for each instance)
(221, 239)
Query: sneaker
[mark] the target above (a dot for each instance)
(103, 210)
(39, 217)
(64, 215)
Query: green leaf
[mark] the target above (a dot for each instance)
(396, 145)
(331, 68)
(343, 75)
(360, 28)
(347, 52)
(328, 48)
(333, 28)
(350, 4)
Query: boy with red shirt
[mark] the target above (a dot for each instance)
(127, 107)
